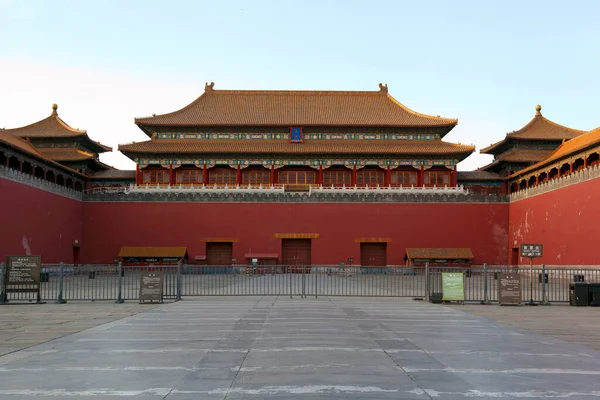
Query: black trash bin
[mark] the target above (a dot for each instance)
(578, 278)
(44, 276)
(579, 294)
(435, 298)
(594, 296)
(92, 275)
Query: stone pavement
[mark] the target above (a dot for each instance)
(25, 325)
(579, 325)
(281, 348)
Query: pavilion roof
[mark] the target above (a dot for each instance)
(66, 154)
(186, 146)
(53, 127)
(296, 108)
(439, 253)
(478, 176)
(26, 147)
(21, 144)
(518, 155)
(539, 128)
(580, 143)
(152, 251)
(114, 174)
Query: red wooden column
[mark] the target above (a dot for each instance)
(320, 176)
(353, 179)
(272, 176)
(171, 175)
(388, 177)
(238, 175)
(421, 176)
(205, 175)
(138, 181)
(454, 177)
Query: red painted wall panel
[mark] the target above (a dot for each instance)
(482, 227)
(45, 223)
(566, 221)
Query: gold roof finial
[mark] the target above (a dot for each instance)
(538, 110)
(54, 108)
(383, 88)
(209, 88)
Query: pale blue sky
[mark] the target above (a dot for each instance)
(486, 63)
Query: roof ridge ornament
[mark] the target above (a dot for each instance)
(54, 108)
(383, 88)
(538, 110)
(209, 88)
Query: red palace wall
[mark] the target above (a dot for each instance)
(566, 221)
(46, 223)
(482, 227)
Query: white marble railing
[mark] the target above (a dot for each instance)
(202, 189)
(583, 175)
(391, 189)
(30, 180)
(281, 189)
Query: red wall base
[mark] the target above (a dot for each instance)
(482, 227)
(565, 221)
(38, 222)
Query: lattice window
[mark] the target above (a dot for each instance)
(337, 178)
(371, 178)
(256, 177)
(297, 177)
(438, 178)
(191, 177)
(156, 176)
(223, 176)
(405, 178)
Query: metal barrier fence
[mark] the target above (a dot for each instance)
(63, 282)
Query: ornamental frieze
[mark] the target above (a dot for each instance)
(307, 136)
(313, 163)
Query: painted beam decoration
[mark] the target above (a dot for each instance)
(304, 136)
(315, 163)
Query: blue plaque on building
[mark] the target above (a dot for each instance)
(296, 134)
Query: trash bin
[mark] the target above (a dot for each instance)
(579, 294)
(44, 276)
(545, 278)
(578, 278)
(92, 275)
(435, 298)
(594, 296)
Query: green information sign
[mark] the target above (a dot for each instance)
(453, 286)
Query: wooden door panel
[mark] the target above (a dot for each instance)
(373, 254)
(219, 253)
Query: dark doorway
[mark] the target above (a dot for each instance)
(514, 256)
(295, 251)
(373, 254)
(75, 255)
(219, 253)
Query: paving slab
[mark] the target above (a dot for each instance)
(281, 348)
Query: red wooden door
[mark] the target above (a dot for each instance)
(295, 252)
(219, 253)
(373, 254)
